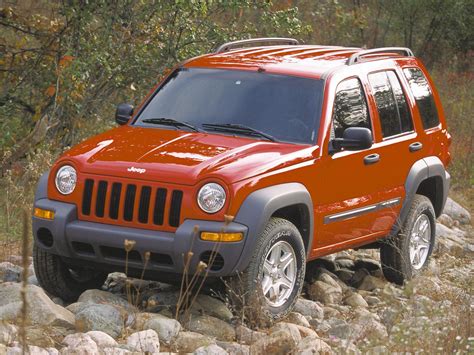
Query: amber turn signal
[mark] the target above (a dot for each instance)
(221, 237)
(45, 214)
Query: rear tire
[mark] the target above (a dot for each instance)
(266, 291)
(407, 254)
(60, 279)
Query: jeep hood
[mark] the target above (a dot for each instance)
(167, 155)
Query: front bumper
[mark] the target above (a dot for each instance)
(102, 245)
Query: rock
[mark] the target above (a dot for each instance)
(77, 307)
(372, 300)
(288, 328)
(446, 220)
(8, 333)
(367, 264)
(36, 350)
(32, 280)
(187, 342)
(339, 328)
(246, 335)
(40, 311)
(145, 341)
(213, 307)
(104, 297)
(211, 326)
(457, 212)
(345, 275)
(344, 262)
(162, 300)
(356, 300)
(277, 343)
(103, 317)
(166, 328)
(358, 277)
(234, 348)
(378, 350)
(38, 337)
(371, 283)
(312, 345)
(79, 343)
(330, 312)
(309, 309)
(115, 351)
(103, 340)
(10, 272)
(366, 326)
(212, 349)
(325, 293)
(306, 331)
(298, 319)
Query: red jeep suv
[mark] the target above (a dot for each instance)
(257, 158)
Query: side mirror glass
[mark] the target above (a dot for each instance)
(123, 113)
(353, 138)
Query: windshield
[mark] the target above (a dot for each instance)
(287, 108)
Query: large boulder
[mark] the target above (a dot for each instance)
(211, 326)
(8, 333)
(325, 293)
(146, 341)
(40, 309)
(309, 309)
(187, 342)
(211, 306)
(104, 297)
(101, 317)
(457, 212)
(166, 328)
(79, 343)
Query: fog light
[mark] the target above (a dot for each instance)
(222, 237)
(45, 214)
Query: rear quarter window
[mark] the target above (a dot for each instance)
(424, 97)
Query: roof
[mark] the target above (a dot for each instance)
(308, 60)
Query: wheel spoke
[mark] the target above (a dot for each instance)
(275, 255)
(267, 267)
(266, 285)
(285, 261)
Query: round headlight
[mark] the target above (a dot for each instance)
(66, 179)
(211, 197)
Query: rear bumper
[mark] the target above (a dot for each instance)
(102, 245)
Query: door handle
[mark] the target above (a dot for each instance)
(371, 159)
(416, 146)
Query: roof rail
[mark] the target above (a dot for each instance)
(239, 44)
(356, 57)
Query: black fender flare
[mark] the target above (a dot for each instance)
(260, 205)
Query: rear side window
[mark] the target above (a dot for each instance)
(424, 97)
(391, 103)
(350, 107)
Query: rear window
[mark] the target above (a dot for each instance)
(424, 97)
(286, 107)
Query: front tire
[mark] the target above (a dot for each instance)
(60, 279)
(404, 256)
(270, 285)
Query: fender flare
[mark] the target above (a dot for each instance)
(42, 187)
(260, 205)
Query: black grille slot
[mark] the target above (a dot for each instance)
(175, 209)
(115, 200)
(144, 205)
(159, 210)
(214, 260)
(83, 248)
(161, 259)
(87, 197)
(120, 254)
(100, 200)
(129, 201)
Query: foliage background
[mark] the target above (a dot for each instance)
(64, 65)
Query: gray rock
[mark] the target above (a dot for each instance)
(309, 309)
(8, 333)
(212, 349)
(79, 343)
(37, 336)
(246, 335)
(234, 348)
(457, 212)
(298, 319)
(344, 262)
(372, 300)
(325, 293)
(345, 275)
(312, 345)
(104, 297)
(103, 317)
(339, 328)
(40, 311)
(356, 300)
(366, 326)
(371, 283)
(166, 328)
(115, 351)
(32, 280)
(10, 272)
(213, 307)
(187, 342)
(277, 343)
(368, 264)
(358, 277)
(103, 340)
(288, 328)
(36, 350)
(211, 326)
(162, 300)
(77, 307)
(144, 341)
(446, 220)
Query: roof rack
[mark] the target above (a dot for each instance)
(239, 44)
(356, 57)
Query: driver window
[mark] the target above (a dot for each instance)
(350, 107)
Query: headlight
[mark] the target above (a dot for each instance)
(66, 179)
(211, 198)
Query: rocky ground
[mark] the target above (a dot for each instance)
(347, 307)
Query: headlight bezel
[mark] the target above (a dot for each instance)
(72, 171)
(217, 187)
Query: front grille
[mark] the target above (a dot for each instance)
(120, 201)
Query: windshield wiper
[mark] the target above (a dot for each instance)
(170, 122)
(238, 128)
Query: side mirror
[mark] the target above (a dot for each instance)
(353, 138)
(123, 113)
